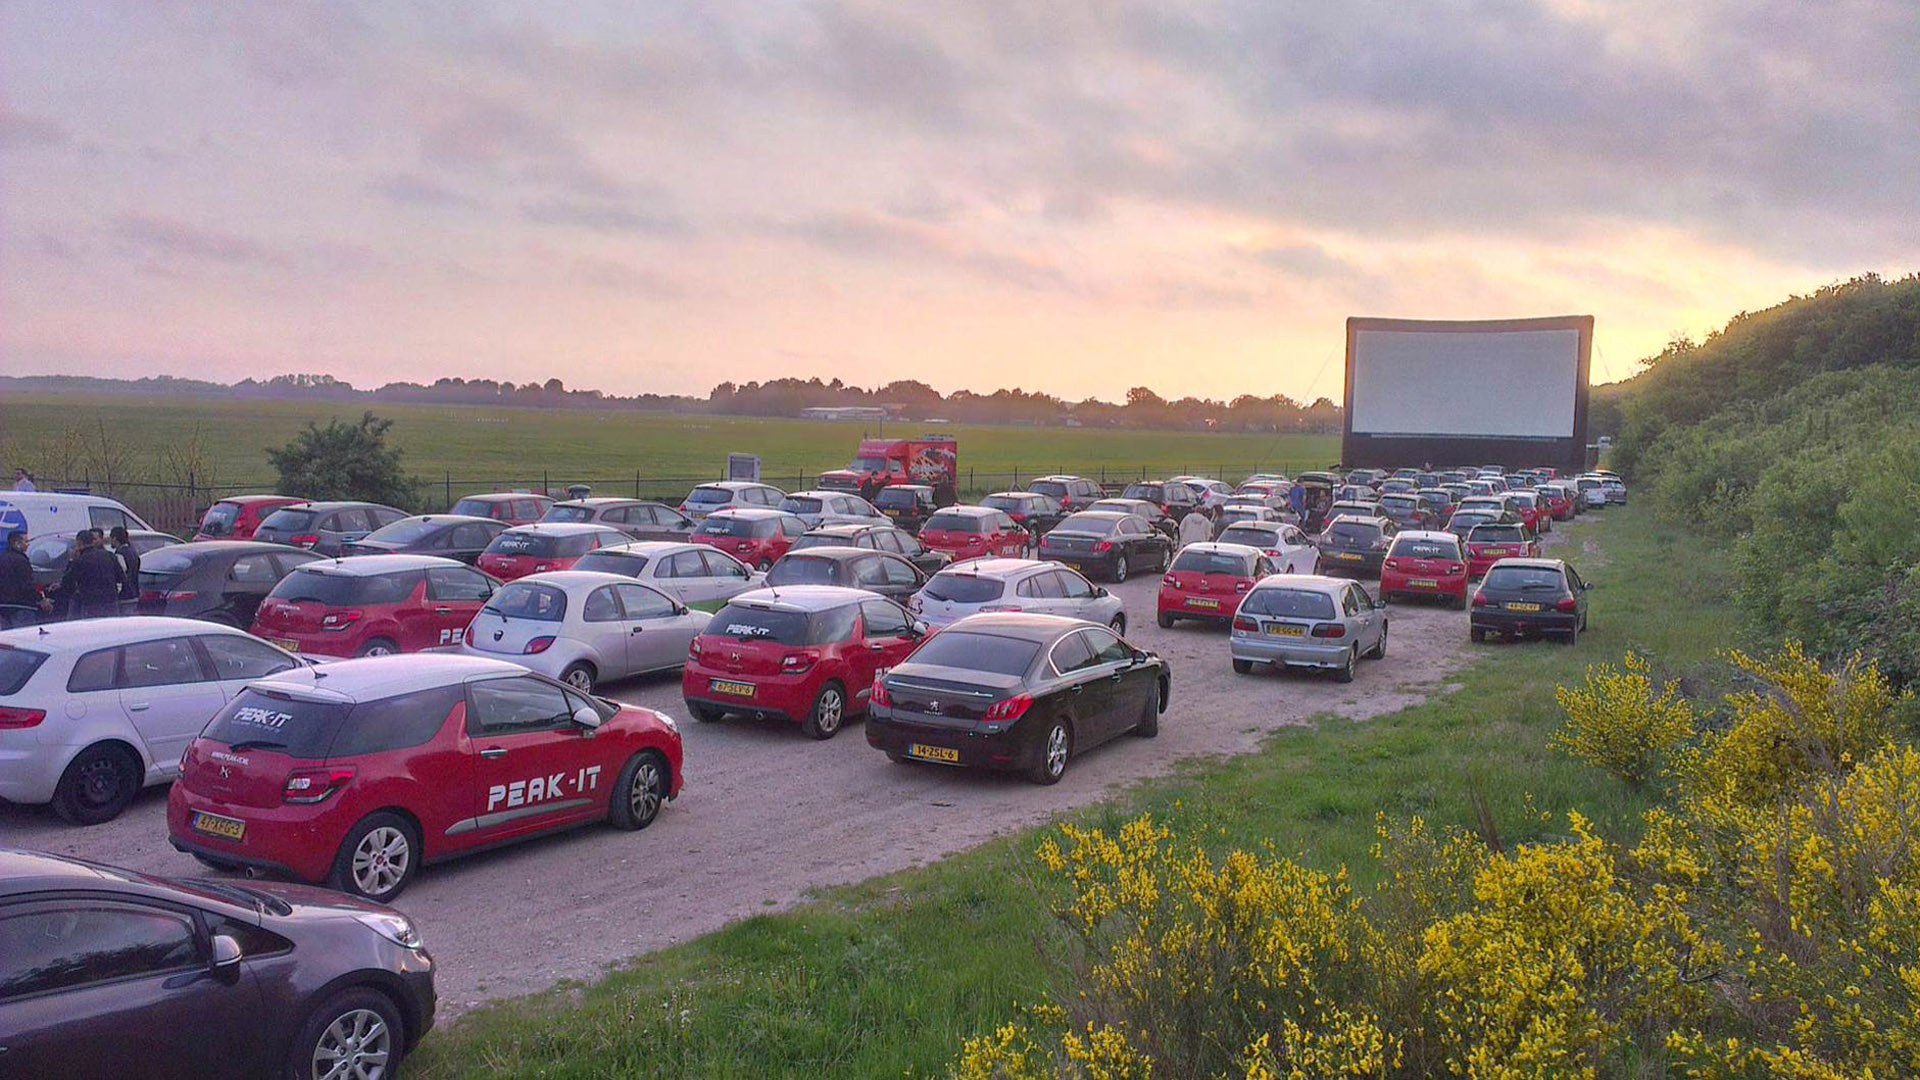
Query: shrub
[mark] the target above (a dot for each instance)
(345, 461)
(1618, 722)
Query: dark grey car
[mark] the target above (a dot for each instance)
(325, 527)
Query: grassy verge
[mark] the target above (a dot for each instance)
(886, 978)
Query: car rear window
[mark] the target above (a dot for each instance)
(1496, 534)
(706, 496)
(1213, 562)
(978, 652)
(474, 508)
(282, 723)
(802, 570)
(539, 545)
(964, 523)
(1517, 578)
(406, 531)
(16, 667)
(1149, 492)
(1005, 502)
(794, 504)
(290, 520)
(1400, 502)
(568, 513)
(612, 562)
(1354, 530)
(895, 497)
(528, 600)
(1288, 604)
(784, 627)
(220, 519)
(957, 588)
(727, 525)
(1425, 549)
(1087, 523)
(167, 563)
(341, 590)
(1050, 488)
(1260, 538)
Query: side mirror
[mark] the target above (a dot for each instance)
(226, 955)
(586, 717)
(1099, 592)
(1380, 605)
(681, 609)
(1586, 586)
(917, 628)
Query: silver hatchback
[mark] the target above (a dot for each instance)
(1305, 620)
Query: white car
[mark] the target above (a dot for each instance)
(1045, 588)
(584, 628)
(39, 512)
(818, 508)
(1286, 546)
(94, 710)
(1213, 493)
(693, 574)
(1244, 511)
(722, 494)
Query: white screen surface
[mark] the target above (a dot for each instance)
(1506, 383)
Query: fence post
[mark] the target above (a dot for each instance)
(1016, 478)
(636, 483)
(449, 489)
(546, 483)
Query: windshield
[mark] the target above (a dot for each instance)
(342, 590)
(1405, 548)
(868, 464)
(896, 496)
(1496, 534)
(220, 518)
(277, 722)
(965, 523)
(405, 531)
(528, 600)
(290, 520)
(803, 570)
(612, 562)
(1087, 523)
(961, 588)
(709, 496)
(725, 525)
(568, 513)
(977, 652)
(1405, 504)
(1532, 578)
(1288, 604)
(1213, 562)
(473, 508)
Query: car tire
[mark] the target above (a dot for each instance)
(224, 866)
(1118, 625)
(360, 1020)
(1477, 634)
(1380, 651)
(1344, 674)
(1166, 559)
(364, 865)
(98, 785)
(706, 714)
(641, 791)
(829, 713)
(1165, 621)
(379, 647)
(1242, 667)
(1120, 568)
(1056, 749)
(579, 675)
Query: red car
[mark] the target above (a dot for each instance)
(1559, 501)
(372, 605)
(236, 518)
(1488, 544)
(805, 653)
(1425, 564)
(974, 532)
(1533, 509)
(357, 773)
(551, 545)
(755, 535)
(1208, 581)
(512, 507)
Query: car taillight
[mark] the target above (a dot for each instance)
(1330, 630)
(880, 696)
(314, 785)
(339, 620)
(308, 540)
(1480, 600)
(1170, 581)
(537, 645)
(1567, 604)
(1245, 624)
(13, 718)
(1104, 545)
(1012, 708)
(1242, 586)
(1393, 564)
(150, 597)
(1455, 568)
(693, 649)
(795, 663)
(467, 635)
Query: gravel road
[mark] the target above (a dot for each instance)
(768, 815)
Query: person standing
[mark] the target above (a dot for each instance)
(23, 481)
(20, 602)
(129, 557)
(1195, 528)
(92, 584)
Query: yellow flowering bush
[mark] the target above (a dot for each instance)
(1621, 722)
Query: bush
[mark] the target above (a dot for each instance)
(345, 461)
(1618, 723)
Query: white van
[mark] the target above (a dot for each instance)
(41, 512)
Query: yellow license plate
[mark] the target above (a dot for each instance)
(1350, 555)
(1195, 601)
(287, 643)
(1423, 583)
(1286, 631)
(933, 753)
(891, 513)
(214, 825)
(1523, 607)
(728, 686)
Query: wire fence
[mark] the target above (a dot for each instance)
(178, 507)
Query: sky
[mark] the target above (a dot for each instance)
(1075, 197)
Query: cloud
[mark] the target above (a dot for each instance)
(171, 238)
(18, 130)
(877, 237)
(603, 217)
(413, 189)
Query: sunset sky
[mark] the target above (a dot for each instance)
(1074, 197)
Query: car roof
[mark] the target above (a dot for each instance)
(1270, 526)
(225, 547)
(836, 552)
(1533, 564)
(1375, 521)
(803, 597)
(571, 580)
(1308, 582)
(968, 510)
(248, 500)
(447, 519)
(374, 677)
(819, 493)
(600, 500)
(562, 528)
(1026, 625)
(998, 569)
(1425, 534)
(1102, 515)
(33, 871)
(373, 565)
(1014, 495)
(1057, 477)
(340, 504)
(58, 498)
(1220, 548)
(737, 485)
(902, 487)
(508, 496)
(654, 548)
(752, 513)
(99, 633)
(846, 528)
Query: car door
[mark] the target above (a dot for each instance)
(168, 695)
(1369, 619)
(686, 578)
(1130, 684)
(658, 632)
(602, 629)
(1088, 692)
(1077, 595)
(457, 593)
(347, 526)
(529, 772)
(244, 584)
(109, 986)
(467, 541)
(1038, 593)
(899, 578)
(886, 638)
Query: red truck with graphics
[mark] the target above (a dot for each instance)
(933, 460)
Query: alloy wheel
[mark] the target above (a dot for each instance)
(1057, 750)
(356, 1046)
(644, 797)
(828, 712)
(381, 860)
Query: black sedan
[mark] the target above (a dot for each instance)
(886, 538)
(1355, 545)
(220, 581)
(1016, 691)
(1107, 542)
(1530, 598)
(51, 552)
(105, 972)
(891, 576)
(450, 536)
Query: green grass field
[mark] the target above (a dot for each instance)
(520, 447)
(885, 979)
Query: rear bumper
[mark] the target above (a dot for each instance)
(773, 696)
(1524, 623)
(297, 841)
(1395, 584)
(1183, 606)
(1101, 565)
(30, 771)
(977, 750)
(1295, 652)
(1367, 564)
(320, 644)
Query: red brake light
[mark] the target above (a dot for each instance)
(339, 620)
(880, 696)
(1242, 586)
(693, 649)
(1330, 630)
(13, 719)
(1246, 624)
(1480, 600)
(314, 785)
(1170, 581)
(1455, 568)
(795, 663)
(308, 540)
(1012, 708)
(1567, 604)
(538, 645)
(1104, 545)
(1393, 564)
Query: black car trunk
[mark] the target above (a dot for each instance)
(947, 697)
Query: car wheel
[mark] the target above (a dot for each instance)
(378, 858)
(1120, 568)
(99, 784)
(829, 711)
(1242, 667)
(1345, 672)
(357, 1033)
(1165, 621)
(1380, 651)
(1166, 559)
(378, 647)
(579, 675)
(642, 788)
(225, 866)
(1477, 634)
(1056, 746)
(1149, 723)
(1118, 625)
(706, 714)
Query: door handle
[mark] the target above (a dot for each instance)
(876, 648)
(492, 752)
(443, 611)
(1075, 688)
(636, 629)
(140, 706)
(1115, 677)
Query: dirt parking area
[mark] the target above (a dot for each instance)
(769, 815)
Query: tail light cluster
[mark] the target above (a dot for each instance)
(305, 786)
(1103, 546)
(1170, 581)
(1245, 625)
(538, 645)
(1567, 603)
(340, 620)
(1480, 600)
(1329, 630)
(1012, 708)
(693, 649)
(307, 540)
(13, 718)
(879, 696)
(798, 662)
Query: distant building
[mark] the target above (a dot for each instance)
(844, 412)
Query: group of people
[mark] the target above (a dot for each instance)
(98, 579)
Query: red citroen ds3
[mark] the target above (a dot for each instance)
(975, 532)
(354, 774)
(804, 653)
(756, 535)
(1488, 544)
(372, 605)
(1208, 580)
(1423, 563)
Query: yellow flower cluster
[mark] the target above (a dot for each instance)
(1619, 721)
